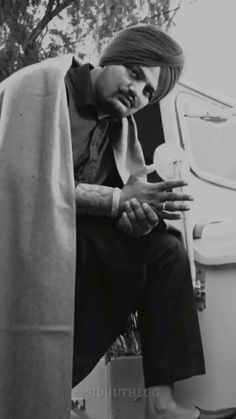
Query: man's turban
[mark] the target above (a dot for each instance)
(147, 46)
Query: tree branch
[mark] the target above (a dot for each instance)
(159, 14)
(48, 16)
(168, 11)
(170, 22)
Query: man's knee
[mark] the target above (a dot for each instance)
(168, 263)
(164, 245)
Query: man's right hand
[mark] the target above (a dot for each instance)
(157, 195)
(138, 220)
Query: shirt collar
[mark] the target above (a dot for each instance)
(80, 79)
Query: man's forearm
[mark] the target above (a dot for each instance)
(93, 199)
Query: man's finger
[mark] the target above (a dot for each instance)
(174, 196)
(145, 170)
(150, 168)
(138, 211)
(171, 184)
(150, 214)
(142, 222)
(171, 215)
(125, 224)
(136, 215)
(174, 206)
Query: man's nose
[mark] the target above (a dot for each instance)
(138, 88)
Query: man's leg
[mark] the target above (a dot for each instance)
(111, 284)
(110, 275)
(108, 285)
(169, 325)
(169, 329)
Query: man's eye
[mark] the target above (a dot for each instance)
(149, 93)
(134, 72)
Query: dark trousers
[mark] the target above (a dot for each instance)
(117, 275)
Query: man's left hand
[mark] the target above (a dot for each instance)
(138, 219)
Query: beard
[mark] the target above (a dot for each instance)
(117, 106)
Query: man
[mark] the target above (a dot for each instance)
(126, 258)
(63, 122)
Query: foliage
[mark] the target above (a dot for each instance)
(31, 30)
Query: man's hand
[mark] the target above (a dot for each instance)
(137, 219)
(157, 195)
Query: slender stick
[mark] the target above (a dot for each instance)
(179, 171)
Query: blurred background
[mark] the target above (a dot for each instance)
(31, 30)
(206, 29)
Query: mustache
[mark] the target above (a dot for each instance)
(129, 94)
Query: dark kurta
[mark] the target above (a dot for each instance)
(92, 152)
(117, 275)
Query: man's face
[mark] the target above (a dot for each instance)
(121, 91)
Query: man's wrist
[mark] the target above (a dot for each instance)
(93, 199)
